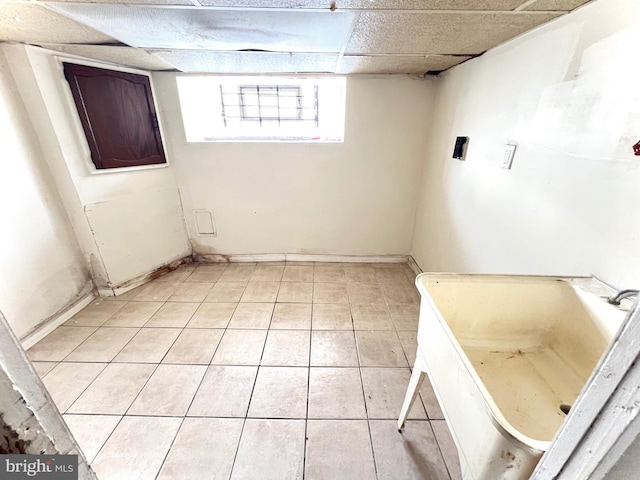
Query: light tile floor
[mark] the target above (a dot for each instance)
(244, 371)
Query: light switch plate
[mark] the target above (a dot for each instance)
(507, 160)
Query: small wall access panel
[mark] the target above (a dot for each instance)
(204, 223)
(118, 116)
(459, 149)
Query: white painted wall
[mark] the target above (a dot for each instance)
(568, 94)
(128, 222)
(353, 198)
(41, 267)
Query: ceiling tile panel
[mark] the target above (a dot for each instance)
(438, 33)
(208, 29)
(565, 5)
(409, 64)
(128, 56)
(194, 61)
(373, 4)
(130, 2)
(31, 23)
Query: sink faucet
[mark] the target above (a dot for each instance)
(615, 299)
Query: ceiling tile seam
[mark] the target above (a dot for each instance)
(409, 55)
(198, 6)
(48, 6)
(354, 22)
(526, 4)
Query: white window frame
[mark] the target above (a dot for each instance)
(209, 116)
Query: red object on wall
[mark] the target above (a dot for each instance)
(636, 149)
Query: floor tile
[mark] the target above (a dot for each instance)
(178, 275)
(333, 349)
(448, 448)
(240, 347)
(280, 392)
(411, 455)
(371, 317)
(194, 346)
(270, 450)
(409, 345)
(260, 292)
(330, 293)
(206, 274)
(67, 381)
(169, 391)
(191, 292)
(336, 393)
(237, 273)
(298, 292)
(360, 273)
(339, 449)
(173, 314)
(287, 348)
(267, 273)
(42, 368)
(59, 343)
(365, 293)
(291, 316)
(380, 349)
(103, 345)
(430, 401)
(96, 313)
(329, 274)
(397, 294)
(113, 391)
(385, 389)
(252, 315)
(331, 316)
(156, 291)
(91, 431)
(405, 316)
(297, 273)
(362, 314)
(149, 345)
(136, 449)
(212, 315)
(133, 314)
(126, 296)
(391, 274)
(224, 392)
(203, 448)
(229, 292)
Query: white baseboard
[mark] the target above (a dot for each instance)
(301, 257)
(262, 257)
(414, 265)
(30, 339)
(142, 279)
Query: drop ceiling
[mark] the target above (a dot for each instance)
(277, 36)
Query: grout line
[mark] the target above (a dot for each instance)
(166, 455)
(306, 420)
(444, 462)
(141, 389)
(364, 398)
(106, 440)
(227, 417)
(246, 416)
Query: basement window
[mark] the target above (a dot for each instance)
(262, 109)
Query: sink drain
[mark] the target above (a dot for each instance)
(564, 408)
